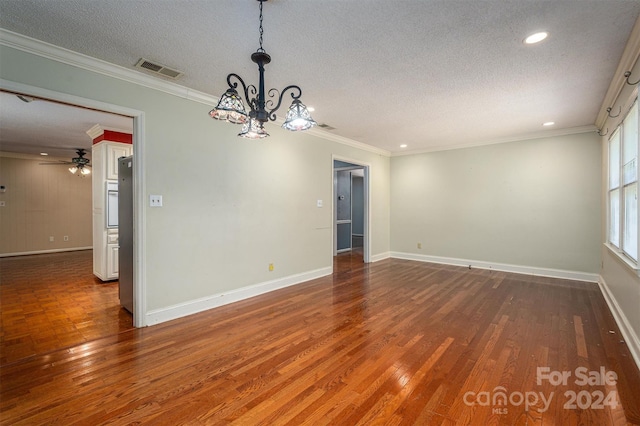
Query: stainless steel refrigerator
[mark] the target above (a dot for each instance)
(125, 231)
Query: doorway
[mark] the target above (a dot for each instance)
(137, 118)
(351, 208)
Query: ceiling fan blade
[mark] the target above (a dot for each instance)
(62, 163)
(78, 161)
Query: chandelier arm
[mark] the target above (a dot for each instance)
(293, 88)
(245, 89)
(273, 94)
(251, 96)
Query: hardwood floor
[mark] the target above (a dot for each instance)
(53, 301)
(394, 342)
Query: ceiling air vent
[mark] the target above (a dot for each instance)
(158, 69)
(325, 126)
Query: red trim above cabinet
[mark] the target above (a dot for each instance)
(113, 136)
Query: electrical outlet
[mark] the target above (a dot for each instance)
(270, 267)
(51, 239)
(419, 245)
(65, 238)
(2, 204)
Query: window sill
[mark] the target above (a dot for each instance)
(623, 258)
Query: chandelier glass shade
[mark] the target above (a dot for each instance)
(253, 129)
(231, 106)
(298, 117)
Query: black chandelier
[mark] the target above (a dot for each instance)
(231, 106)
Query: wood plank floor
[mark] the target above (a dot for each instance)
(395, 342)
(53, 301)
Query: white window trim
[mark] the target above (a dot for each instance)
(619, 252)
(623, 257)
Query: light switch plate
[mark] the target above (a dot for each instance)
(155, 200)
(319, 203)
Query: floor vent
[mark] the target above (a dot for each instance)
(158, 69)
(325, 126)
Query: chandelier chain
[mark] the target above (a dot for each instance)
(261, 29)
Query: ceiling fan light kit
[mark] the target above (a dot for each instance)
(79, 164)
(231, 107)
(81, 170)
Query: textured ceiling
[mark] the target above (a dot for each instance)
(431, 74)
(57, 129)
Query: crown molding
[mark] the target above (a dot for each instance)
(95, 131)
(629, 58)
(79, 60)
(98, 130)
(525, 137)
(346, 141)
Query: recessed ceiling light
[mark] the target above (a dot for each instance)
(404, 145)
(536, 38)
(548, 123)
(43, 153)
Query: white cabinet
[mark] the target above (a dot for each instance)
(112, 260)
(104, 162)
(114, 152)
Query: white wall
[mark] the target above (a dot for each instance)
(533, 203)
(231, 206)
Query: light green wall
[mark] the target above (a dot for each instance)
(532, 203)
(231, 206)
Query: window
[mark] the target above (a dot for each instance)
(623, 185)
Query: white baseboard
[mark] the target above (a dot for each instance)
(517, 269)
(198, 305)
(380, 256)
(632, 340)
(27, 253)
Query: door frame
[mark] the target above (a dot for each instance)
(139, 252)
(337, 222)
(366, 243)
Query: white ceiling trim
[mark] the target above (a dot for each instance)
(69, 57)
(98, 130)
(346, 141)
(530, 136)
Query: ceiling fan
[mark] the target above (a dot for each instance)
(79, 164)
